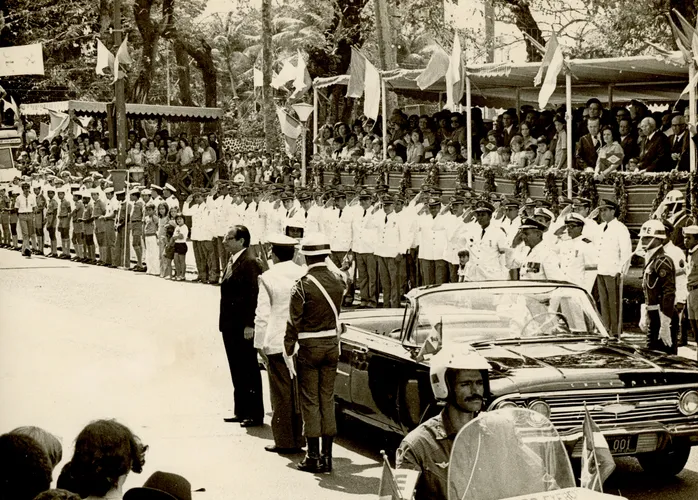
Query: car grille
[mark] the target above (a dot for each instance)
(615, 409)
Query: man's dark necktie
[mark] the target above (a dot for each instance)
(340, 212)
(605, 226)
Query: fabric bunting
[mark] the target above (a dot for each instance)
(396, 484)
(122, 57)
(435, 70)
(289, 126)
(553, 53)
(597, 461)
(22, 60)
(287, 74)
(257, 77)
(364, 78)
(454, 76)
(105, 59)
(550, 49)
(302, 81)
(357, 74)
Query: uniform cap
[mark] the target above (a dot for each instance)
(97, 175)
(85, 193)
(542, 202)
(95, 191)
(496, 197)
(170, 187)
(563, 200)
(387, 199)
(690, 230)
(433, 202)
(575, 219)
(305, 196)
(531, 223)
(155, 187)
(120, 192)
(339, 194)
(581, 201)
(146, 191)
(606, 203)
(50, 189)
(363, 194)
(674, 196)
(457, 200)
(530, 201)
(381, 188)
(484, 206)
(286, 195)
(315, 244)
(544, 212)
(109, 190)
(512, 203)
(281, 240)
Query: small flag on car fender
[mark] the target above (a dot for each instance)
(396, 484)
(597, 461)
(432, 344)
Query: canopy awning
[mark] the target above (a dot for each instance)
(90, 108)
(648, 78)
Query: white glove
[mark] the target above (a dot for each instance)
(644, 321)
(289, 361)
(665, 329)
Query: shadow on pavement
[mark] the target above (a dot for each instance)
(346, 477)
(262, 432)
(366, 440)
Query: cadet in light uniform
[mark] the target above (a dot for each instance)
(487, 244)
(64, 211)
(52, 219)
(340, 227)
(511, 221)
(389, 251)
(122, 254)
(111, 209)
(135, 224)
(88, 226)
(38, 236)
(457, 236)
(168, 192)
(578, 254)
(546, 217)
(193, 207)
(540, 262)
(659, 287)
(582, 206)
(99, 208)
(78, 235)
(690, 234)
(409, 222)
(364, 236)
(432, 242)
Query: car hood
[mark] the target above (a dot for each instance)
(579, 364)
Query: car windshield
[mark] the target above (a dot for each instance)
(490, 314)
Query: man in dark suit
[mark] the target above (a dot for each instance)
(239, 289)
(589, 145)
(509, 130)
(679, 144)
(654, 149)
(628, 141)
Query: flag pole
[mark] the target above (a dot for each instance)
(469, 118)
(127, 242)
(568, 119)
(384, 125)
(120, 100)
(315, 118)
(692, 112)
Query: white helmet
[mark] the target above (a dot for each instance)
(674, 196)
(653, 229)
(456, 359)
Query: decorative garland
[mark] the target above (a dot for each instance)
(521, 187)
(692, 196)
(621, 197)
(665, 186)
(318, 179)
(463, 174)
(336, 175)
(587, 187)
(405, 180)
(551, 191)
(490, 184)
(432, 176)
(359, 175)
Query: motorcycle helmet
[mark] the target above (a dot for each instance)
(454, 359)
(650, 231)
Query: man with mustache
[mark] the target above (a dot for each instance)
(458, 378)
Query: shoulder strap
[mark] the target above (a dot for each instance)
(327, 296)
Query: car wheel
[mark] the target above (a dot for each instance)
(667, 462)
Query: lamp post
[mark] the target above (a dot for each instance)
(303, 111)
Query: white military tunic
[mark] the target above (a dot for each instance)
(486, 248)
(539, 263)
(578, 261)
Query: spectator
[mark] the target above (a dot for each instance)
(208, 154)
(161, 486)
(57, 494)
(628, 140)
(186, 154)
(679, 144)
(48, 442)
(152, 155)
(525, 130)
(517, 155)
(415, 149)
(25, 469)
(509, 130)
(654, 148)
(105, 452)
(610, 156)
(589, 145)
(181, 233)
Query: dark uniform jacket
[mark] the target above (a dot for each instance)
(239, 291)
(680, 220)
(64, 214)
(309, 310)
(52, 212)
(99, 210)
(659, 282)
(88, 219)
(78, 212)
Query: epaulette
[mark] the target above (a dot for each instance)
(586, 240)
(664, 259)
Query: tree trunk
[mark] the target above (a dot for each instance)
(183, 74)
(387, 52)
(526, 24)
(105, 18)
(267, 92)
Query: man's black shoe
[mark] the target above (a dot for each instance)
(310, 464)
(251, 422)
(233, 420)
(282, 451)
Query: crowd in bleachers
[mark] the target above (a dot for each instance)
(621, 138)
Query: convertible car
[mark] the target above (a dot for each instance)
(549, 352)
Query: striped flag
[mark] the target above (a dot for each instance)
(396, 484)
(364, 79)
(557, 60)
(454, 76)
(432, 344)
(550, 49)
(597, 461)
(435, 70)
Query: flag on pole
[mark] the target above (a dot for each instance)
(557, 60)
(302, 80)
(59, 123)
(122, 57)
(396, 484)
(691, 34)
(454, 76)
(372, 91)
(290, 127)
(691, 84)
(287, 73)
(435, 70)
(11, 104)
(550, 49)
(22, 60)
(357, 74)
(432, 344)
(105, 59)
(682, 41)
(597, 461)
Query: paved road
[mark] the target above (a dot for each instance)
(81, 342)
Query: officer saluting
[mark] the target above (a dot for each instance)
(311, 332)
(578, 254)
(540, 262)
(659, 287)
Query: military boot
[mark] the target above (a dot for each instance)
(311, 462)
(326, 455)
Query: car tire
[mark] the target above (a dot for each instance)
(667, 462)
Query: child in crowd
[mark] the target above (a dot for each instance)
(529, 154)
(518, 159)
(180, 235)
(152, 250)
(392, 155)
(504, 155)
(544, 157)
(463, 265)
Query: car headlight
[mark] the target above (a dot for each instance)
(688, 403)
(540, 407)
(506, 404)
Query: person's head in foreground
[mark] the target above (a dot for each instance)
(25, 469)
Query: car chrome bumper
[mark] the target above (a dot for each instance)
(650, 437)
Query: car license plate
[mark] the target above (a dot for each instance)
(621, 445)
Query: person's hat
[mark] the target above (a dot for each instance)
(120, 192)
(364, 194)
(161, 486)
(88, 178)
(512, 203)
(542, 202)
(436, 190)
(381, 188)
(75, 187)
(146, 191)
(36, 185)
(135, 190)
(339, 194)
(85, 193)
(484, 206)
(496, 197)
(544, 212)
(109, 190)
(170, 187)
(48, 171)
(95, 191)
(564, 201)
(155, 187)
(64, 173)
(434, 202)
(690, 230)
(653, 228)
(286, 195)
(581, 201)
(531, 223)
(530, 202)
(457, 200)
(606, 203)
(574, 218)
(400, 198)
(315, 244)
(305, 196)
(97, 175)
(281, 240)
(50, 189)
(387, 199)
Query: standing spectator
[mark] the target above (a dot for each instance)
(589, 145)
(610, 156)
(25, 470)
(5, 208)
(163, 222)
(679, 144)
(208, 154)
(64, 211)
(152, 155)
(509, 130)
(311, 332)
(51, 219)
(39, 221)
(628, 141)
(181, 233)
(48, 442)
(186, 154)
(614, 252)
(654, 148)
(25, 205)
(239, 290)
(105, 452)
(152, 248)
(271, 316)
(560, 141)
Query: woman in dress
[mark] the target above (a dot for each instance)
(186, 154)
(415, 149)
(610, 156)
(560, 140)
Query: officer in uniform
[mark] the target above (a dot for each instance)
(432, 242)
(487, 244)
(52, 219)
(690, 234)
(659, 287)
(88, 226)
(38, 236)
(123, 243)
(111, 207)
(364, 235)
(511, 220)
(460, 379)
(578, 254)
(672, 209)
(457, 236)
(311, 333)
(78, 235)
(135, 224)
(539, 262)
(64, 212)
(389, 252)
(679, 324)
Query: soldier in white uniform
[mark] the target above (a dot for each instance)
(457, 236)
(389, 252)
(432, 241)
(168, 192)
(578, 254)
(540, 262)
(582, 206)
(511, 220)
(364, 236)
(340, 228)
(487, 244)
(409, 226)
